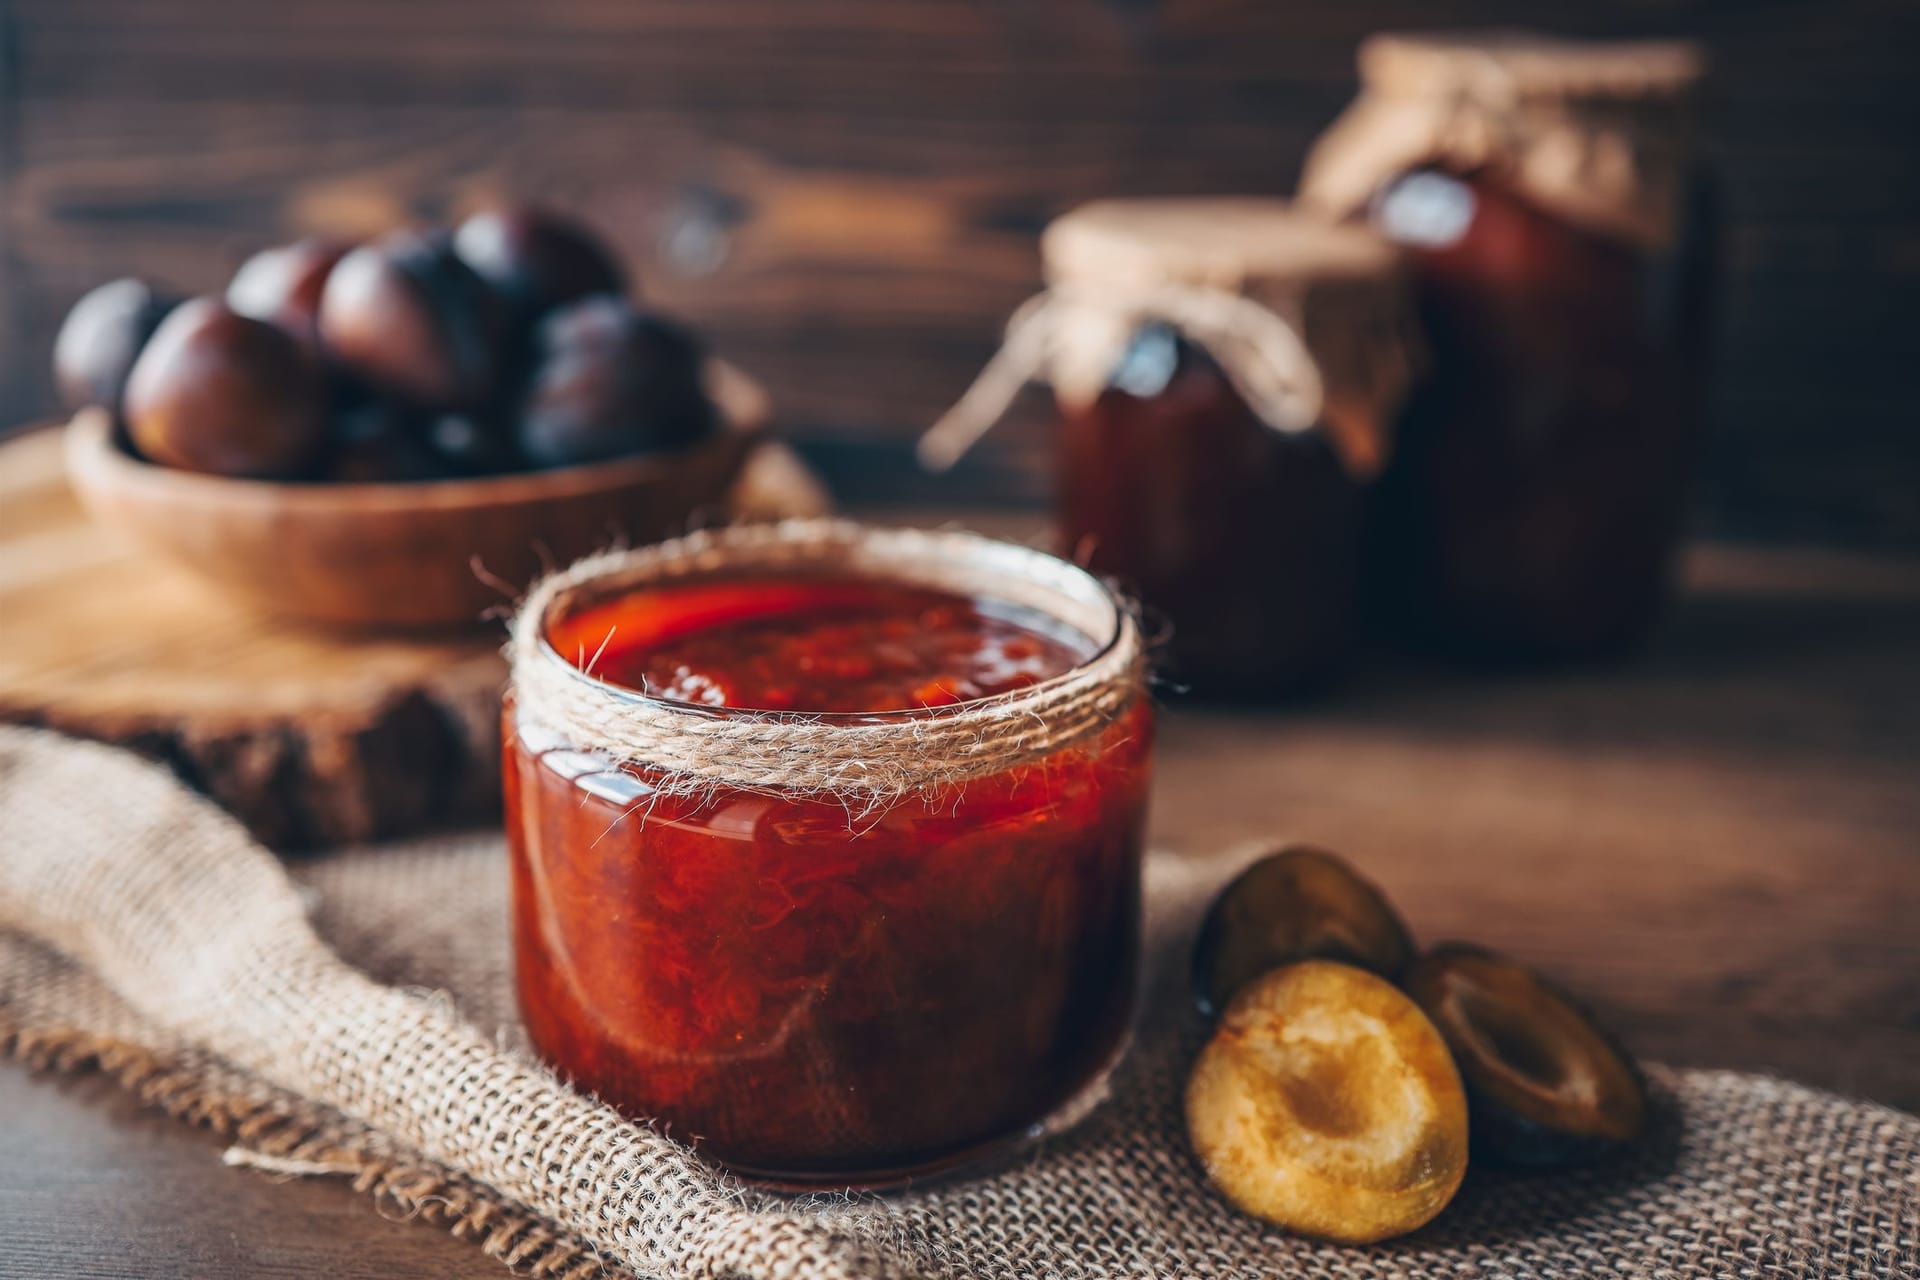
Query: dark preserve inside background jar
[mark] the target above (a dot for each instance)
(811, 992)
(1243, 539)
(1226, 370)
(1538, 490)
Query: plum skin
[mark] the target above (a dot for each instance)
(284, 285)
(1297, 904)
(409, 318)
(538, 259)
(101, 339)
(225, 394)
(1516, 1037)
(611, 381)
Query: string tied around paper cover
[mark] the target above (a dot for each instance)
(1309, 323)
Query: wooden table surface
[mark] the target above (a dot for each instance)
(1720, 846)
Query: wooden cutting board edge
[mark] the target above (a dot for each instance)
(309, 739)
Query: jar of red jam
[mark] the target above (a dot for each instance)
(1561, 236)
(826, 842)
(1227, 373)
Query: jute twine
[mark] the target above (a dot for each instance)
(143, 935)
(871, 759)
(1598, 132)
(1306, 321)
(1068, 326)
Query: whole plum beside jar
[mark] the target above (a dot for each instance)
(283, 285)
(610, 380)
(219, 392)
(101, 339)
(410, 318)
(538, 259)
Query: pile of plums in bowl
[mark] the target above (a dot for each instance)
(402, 433)
(507, 344)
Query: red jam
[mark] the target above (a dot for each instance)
(809, 993)
(828, 645)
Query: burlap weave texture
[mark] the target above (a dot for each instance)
(400, 1072)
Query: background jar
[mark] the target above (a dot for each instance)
(1562, 238)
(1226, 373)
(823, 985)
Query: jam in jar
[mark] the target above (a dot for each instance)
(1563, 268)
(812, 984)
(1245, 540)
(1226, 372)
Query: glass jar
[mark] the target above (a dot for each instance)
(1245, 540)
(1226, 373)
(1562, 242)
(818, 983)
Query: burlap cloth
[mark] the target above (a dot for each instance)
(183, 964)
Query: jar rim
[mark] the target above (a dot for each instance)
(877, 755)
(1102, 649)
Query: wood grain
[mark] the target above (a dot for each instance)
(845, 195)
(93, 1186)
(313, 735)
(310, 737)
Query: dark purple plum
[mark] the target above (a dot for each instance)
(412, 320)
(538, 259)
(101, 338)
(223, 393)
(609, 381)
(283, 285)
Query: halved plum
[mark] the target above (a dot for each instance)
(1545, 1085)
(1298, 904)
(1327, 1103)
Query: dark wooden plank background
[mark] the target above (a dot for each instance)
(845, 194)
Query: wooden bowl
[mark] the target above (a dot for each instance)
(434, 553)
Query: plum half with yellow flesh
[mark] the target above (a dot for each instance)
(1327, 1103)
(1297, 904)
(1545, 1085)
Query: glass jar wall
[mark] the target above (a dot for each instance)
(1562, 242)
(1540, 487)
(813, 987)
(1226, 373)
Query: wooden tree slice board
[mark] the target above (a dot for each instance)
(309, 737)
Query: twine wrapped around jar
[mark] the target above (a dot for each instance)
(1307, 321)
(867, 759)
(1596, 132)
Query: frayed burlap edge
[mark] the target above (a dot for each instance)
(282, 1135)
(171, 906)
